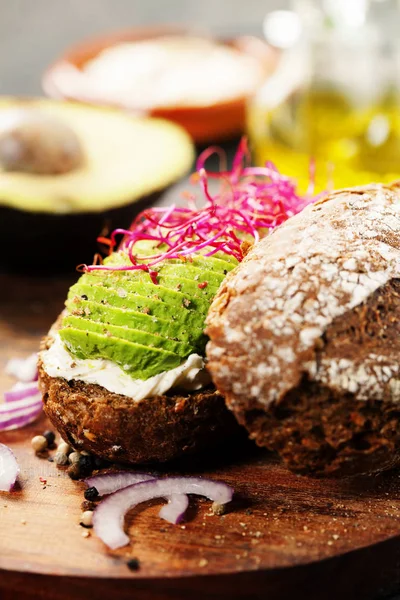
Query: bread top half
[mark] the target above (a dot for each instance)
(268, 321)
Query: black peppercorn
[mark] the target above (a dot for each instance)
(91, 494)
(85, 464)
(133, 564)
(50, 437)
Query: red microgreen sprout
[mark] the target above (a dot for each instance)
(249, 202)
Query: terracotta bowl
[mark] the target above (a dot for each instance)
(223, 120)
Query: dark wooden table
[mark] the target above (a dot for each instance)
(284, 537)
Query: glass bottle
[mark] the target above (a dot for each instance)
(334, 98)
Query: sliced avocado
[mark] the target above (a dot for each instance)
(129, 310)
(188, 287)
(223, 256)
(171, 329)
(143, 289)
(183, 349)
(155, 309)
(221, 262)
(141, 362)
(196, 273)
(213, 264)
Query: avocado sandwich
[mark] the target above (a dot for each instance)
(123, 370)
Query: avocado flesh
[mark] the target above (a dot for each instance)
(211, 263)
(188, 287)
(131, 302)
(142, 362)
(183, 349)
(197, 274)
(126, 158)
(119, 315)
(146, 290)
(122, 317)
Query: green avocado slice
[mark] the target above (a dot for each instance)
(187, 287)
(218, 262)
(193, 272)
(175, 275)
(145, 291)
(171, 329)
(213, 264)
(183, 349)
(127, 309)
(225, 257)
(138, 304)
(141, 362)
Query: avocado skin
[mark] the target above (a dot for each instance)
(44, 243)
(142, 361)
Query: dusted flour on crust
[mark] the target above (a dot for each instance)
(313, 313)
(305, 336)
(271, 312)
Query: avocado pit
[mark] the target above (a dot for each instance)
(39, 144)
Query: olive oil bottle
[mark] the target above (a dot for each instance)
(333, 105)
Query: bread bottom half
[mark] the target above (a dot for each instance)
(119, 429)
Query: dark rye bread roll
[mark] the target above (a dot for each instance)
(119, 429)
(305, 336)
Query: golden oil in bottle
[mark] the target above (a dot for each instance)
(334, 98)
(347, 144)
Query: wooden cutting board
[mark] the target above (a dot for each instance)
(284, 536)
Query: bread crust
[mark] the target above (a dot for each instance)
(304, 336)
(117, 428)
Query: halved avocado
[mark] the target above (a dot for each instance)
(70, 172)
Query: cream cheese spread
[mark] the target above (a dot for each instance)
(58, 362)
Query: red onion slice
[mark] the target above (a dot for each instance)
(108, 517)
(23, 403)
(175, 509)
(10, 407)
(107, 483)
(9, 469)
(20, 419)
(24, 369)
(20, 391)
